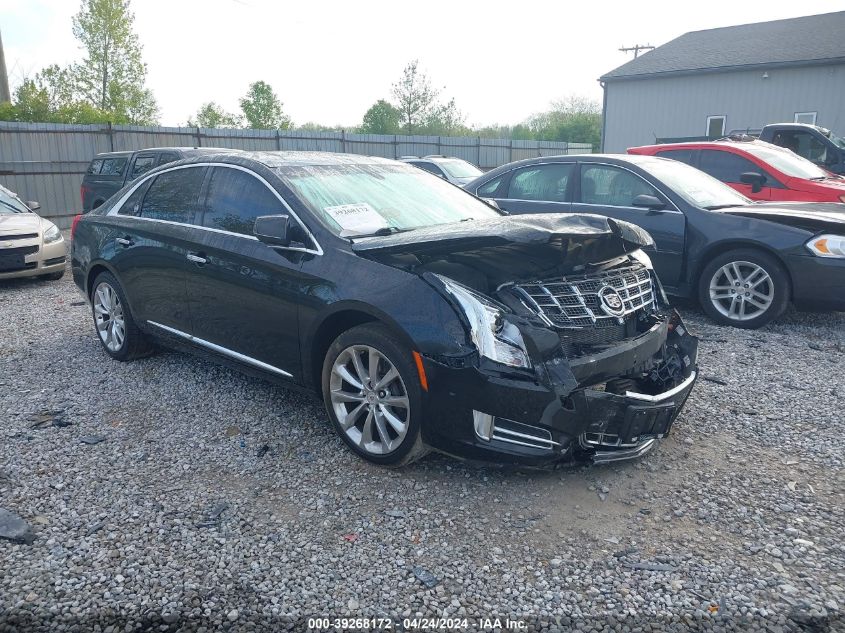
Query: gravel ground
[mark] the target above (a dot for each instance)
(216, 500)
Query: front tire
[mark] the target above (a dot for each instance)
(116, 329)
(745, 288)
(53, 276)
(373, 397)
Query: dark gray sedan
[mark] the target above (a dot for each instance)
(744, 261)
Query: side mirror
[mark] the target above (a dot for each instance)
(33, 205)
(753, 178)
(273, 230)
(648, 202)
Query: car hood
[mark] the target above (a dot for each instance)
(812, 216)
(485, 254)
(19, 223)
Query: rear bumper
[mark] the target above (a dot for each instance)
(486, 416)
(818, 283)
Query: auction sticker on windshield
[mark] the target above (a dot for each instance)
(356, 219)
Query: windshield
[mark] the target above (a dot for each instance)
(10, 204)
(460, 168)
(693, 185)
(839, 142)
(359, 199)
(787, 162)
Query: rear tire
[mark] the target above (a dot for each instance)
(744, 288)
(372, 393)
(113, 322)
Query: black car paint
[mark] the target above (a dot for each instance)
(284, 307)
(687, 237)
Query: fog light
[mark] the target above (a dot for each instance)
(483, 424)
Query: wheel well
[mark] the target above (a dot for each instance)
(92, 275)
(724, 247)
(329, 330)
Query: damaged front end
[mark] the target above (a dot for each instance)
(579, 358)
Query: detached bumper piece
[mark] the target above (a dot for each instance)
(628, 426)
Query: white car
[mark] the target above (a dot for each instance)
(30, 246)
(455, 170)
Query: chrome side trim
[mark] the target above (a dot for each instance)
(546, 443)
(662, 396)
(223, 350)
(114, 211)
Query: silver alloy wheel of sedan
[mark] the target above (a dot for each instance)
(741, 290)
(108, 315)
(369, 399)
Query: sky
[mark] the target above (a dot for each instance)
(330, 60)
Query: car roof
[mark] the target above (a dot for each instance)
(186, 151)
(272, 159)
(718, 144)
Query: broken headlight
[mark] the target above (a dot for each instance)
(495, 338)
(827, 246)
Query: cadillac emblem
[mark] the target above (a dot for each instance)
(611, 301)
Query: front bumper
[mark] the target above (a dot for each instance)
(483, 415)
(818, 283)
(39, 259)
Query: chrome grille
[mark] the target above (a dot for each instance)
(574, 301)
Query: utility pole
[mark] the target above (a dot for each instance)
(637, 48)
(5, 95)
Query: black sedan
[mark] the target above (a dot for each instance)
(424, 316)
(743, 261)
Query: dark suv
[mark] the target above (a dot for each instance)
(108, 172)
(424, 316)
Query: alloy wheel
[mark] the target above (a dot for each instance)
(741, 290)
(369, 399)
(109, 318)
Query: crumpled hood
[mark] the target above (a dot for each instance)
(811, 216)
(19, 223)
(485, 254)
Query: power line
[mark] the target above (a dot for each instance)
(637, 48)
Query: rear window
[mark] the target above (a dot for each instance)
(682, 155)
(173, 195)
(113, 167)
(95, 166)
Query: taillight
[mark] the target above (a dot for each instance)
(82, 191)
(76, 220)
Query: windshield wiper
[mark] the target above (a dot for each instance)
(12, 207)
(385, 230)
(716, 207)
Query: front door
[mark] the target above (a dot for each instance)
(243, 293)
(610, 190)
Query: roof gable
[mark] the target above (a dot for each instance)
(809, 39)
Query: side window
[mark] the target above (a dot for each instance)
(113, 167)
(612, 186)
(95, 166)
(132, 206)
(235, 199)
(173, 195)
(681, 155)
(167, 157)
(141, 165)
(726, 166)
(542, 182)
(806, 145)
(431, 167)
(489, 189)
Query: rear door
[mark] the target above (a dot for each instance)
(151, 243)
(610, 190)
(541, 188)
(243, 294)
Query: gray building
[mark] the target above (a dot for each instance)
(705, 84)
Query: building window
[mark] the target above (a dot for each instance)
(716, 126)
(806, 117)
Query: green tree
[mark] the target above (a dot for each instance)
(444, 119)
(111, 76)
(573, 119)
(415, 97)
(213, 115)
(381, 118)
(262, 108)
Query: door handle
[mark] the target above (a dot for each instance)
(197, 258)
(124, 241)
